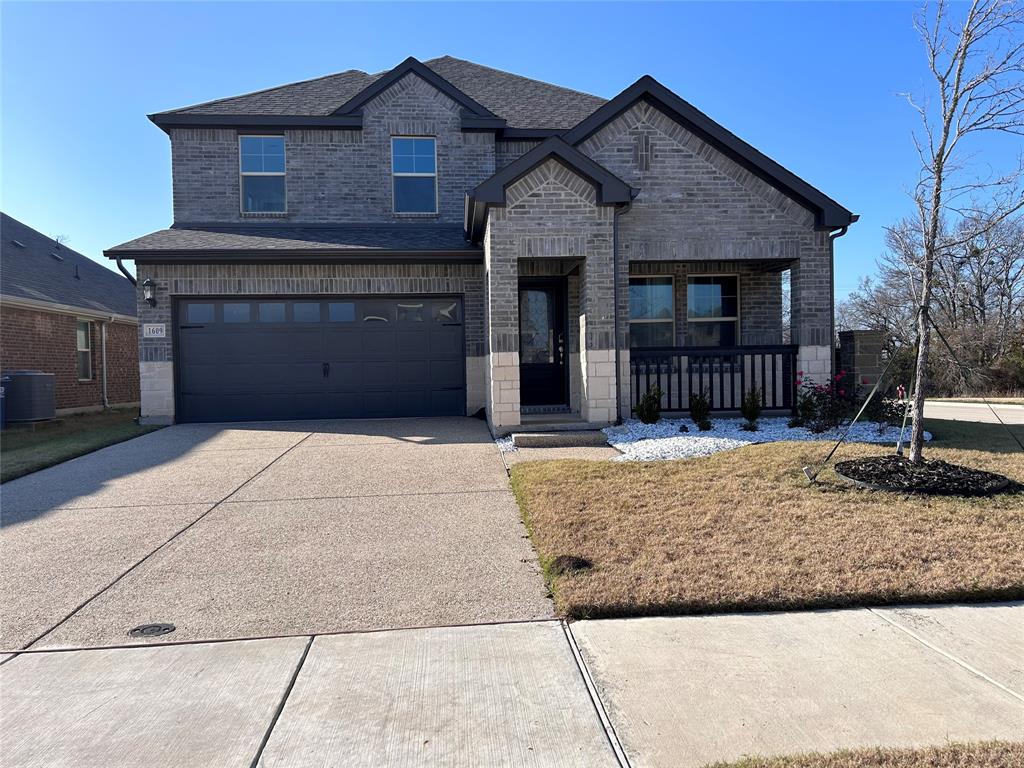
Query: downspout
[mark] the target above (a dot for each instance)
(125, 272)
(832, 237)
(103, 348)
(615, 304)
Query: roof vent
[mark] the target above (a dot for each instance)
(57, 256)
(77, 276)
(18, 243)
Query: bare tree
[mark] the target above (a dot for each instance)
(978, 79)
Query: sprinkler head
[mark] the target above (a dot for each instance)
(811, 476)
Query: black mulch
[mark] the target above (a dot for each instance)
(896, 473)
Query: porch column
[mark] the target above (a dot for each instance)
(501, 288)
(811, 310)
(597, 331)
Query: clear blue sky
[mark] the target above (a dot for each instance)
(813, 85)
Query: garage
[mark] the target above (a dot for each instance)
(253, 358)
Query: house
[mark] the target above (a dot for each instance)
(64, 314)
(444, 237)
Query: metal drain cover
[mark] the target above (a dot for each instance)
(151, 630)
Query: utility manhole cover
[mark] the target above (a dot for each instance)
(151, 630)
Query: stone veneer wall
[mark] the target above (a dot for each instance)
(156, 356)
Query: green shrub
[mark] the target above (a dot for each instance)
(750, 407)
(648, 410)
(700, 411)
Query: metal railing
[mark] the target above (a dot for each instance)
(723, 373)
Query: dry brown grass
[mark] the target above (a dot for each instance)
(993, 754)
(743, 530)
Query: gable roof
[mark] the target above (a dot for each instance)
(829, 213)
(521, 102)
(36, 268)
(609, 187)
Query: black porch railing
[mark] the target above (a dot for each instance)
(723, 373)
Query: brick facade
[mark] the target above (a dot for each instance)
(697, 211)
(337, 176)
(37, 340)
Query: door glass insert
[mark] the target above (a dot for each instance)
(341, 312)
(236, 313)
(306, 312)
(446, 311)
(410, 313)
(199, 313)
(272, 312)
(536, 326)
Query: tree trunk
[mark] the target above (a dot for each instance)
(920, 374)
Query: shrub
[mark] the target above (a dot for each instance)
(821, 407)
(884, 411)
(700, 411)
(648, 410)
(750, 407)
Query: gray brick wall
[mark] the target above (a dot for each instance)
(337, 176)
(308, 280)
(696, 204)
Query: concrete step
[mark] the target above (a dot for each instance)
(559, 439)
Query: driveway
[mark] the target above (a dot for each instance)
(260, 530)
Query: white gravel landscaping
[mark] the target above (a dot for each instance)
(663, 441)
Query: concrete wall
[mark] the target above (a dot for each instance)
(36, 340)
(337, 176)
(173, 281)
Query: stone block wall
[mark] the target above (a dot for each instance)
(860, 356)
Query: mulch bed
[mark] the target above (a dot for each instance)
(896, 473)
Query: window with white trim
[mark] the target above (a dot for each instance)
(652, 321)
(262, 171)
(712, 311)
(83, 345)
(414, 174)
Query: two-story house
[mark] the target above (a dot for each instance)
(444, 237)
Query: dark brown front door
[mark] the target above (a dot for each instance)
(543, 376)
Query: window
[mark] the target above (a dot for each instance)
(199, 313)
(271, 312)
(84, 346)
(236, 313)
(712, 311)
(261, 163)
(651, 312)
(306, 312)
(341, 312)
(414, 175)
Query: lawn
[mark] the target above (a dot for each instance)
(743, 530)
(26, 448)
(993, 754)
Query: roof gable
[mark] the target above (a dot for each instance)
(610, 188)
(411, 65)
(829, 214)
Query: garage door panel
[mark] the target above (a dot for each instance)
(407, 359)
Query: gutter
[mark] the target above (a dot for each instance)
(125, 272)
(832, 237)
(86, 313)
(103, 348)
(615, 304)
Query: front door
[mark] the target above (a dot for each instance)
(543, 376)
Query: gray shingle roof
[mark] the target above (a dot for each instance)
(521, 101)
(242, 239)
(29, 271)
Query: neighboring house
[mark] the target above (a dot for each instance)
(64, 314)
(444, 237)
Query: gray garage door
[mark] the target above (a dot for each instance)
(258, 359)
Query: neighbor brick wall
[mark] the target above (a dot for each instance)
(337, 176)
(47, 341)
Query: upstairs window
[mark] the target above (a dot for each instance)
(83, 345)
(712, 311)
(414, 174)
(261, 162)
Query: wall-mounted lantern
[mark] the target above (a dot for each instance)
(149, 292)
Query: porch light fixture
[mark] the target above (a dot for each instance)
(149, 292)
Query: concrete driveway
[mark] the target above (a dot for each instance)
(257, 530)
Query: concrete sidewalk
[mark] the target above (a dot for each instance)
(680, 691)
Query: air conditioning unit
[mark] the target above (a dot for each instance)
(28, 396)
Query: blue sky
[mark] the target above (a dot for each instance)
(813, 85)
